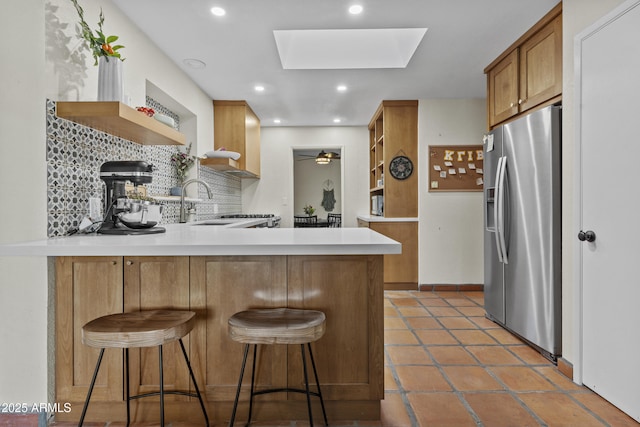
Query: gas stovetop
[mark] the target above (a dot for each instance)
(272, 222)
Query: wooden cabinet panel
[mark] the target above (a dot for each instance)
(400, 268)
(86, 288)
(348, 290)
(503, 89)
(541, 66)
(154, 283)
(222, 286)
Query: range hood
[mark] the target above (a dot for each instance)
(227, 165)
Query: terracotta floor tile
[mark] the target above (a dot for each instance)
(435, 336)
(499, 410)
(457, 323)
(408, 355)
(440, 410)
(389, 380)
(390, 312)
(447, 294)
(434, 302)
(504, 337)
(451, 355)
(556, 377)
(471, 337)
(395, 294)
(399, 337)
(423, 295)
(393, 412)
(493, 355)
(406, 302)
(471, 378)
(605, 410)
(394, 323)
(413, 311)
(423, 323)
(472, 311)
(521, 378)
(461, 302)
(421, 378)
(528, 355)
(443, 311)
(476, 296)
(483, 322)
(558, 409)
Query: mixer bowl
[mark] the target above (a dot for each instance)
(141, 214)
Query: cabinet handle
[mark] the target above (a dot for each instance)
(129, 262)
(520, 101)
(114, 262)
(512, 105)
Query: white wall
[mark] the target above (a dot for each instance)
(450, 229)
(273, 192)
(309, 182)
(576, 16)
(23, 281)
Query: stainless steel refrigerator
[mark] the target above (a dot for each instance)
(522, 218)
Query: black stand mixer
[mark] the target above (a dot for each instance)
(123, 215)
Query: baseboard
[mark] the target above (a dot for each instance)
(400, 286)
(451, 288)
(565, 367)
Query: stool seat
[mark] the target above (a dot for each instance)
(277, 326)
(138, 329)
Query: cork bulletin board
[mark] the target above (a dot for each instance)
(455, 168)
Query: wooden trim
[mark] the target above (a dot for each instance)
(452, 288)
(565, 367)
(550, 16)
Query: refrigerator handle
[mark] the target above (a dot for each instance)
(500, 210)
(497, 208)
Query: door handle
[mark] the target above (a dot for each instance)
(588, 235)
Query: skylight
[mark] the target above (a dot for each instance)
(347, 49)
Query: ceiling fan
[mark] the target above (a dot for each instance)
(322, 158)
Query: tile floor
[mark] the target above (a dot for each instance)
(447, 365)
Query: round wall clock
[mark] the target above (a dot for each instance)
(401, 167)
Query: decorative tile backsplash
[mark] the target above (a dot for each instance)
(75, 153)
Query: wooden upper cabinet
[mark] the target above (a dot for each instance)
(529, 73)
(236, 128)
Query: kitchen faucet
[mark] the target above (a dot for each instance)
(183, 216)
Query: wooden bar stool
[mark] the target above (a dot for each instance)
(277, 326)
(140, 329)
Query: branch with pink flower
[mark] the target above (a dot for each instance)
(182, 162)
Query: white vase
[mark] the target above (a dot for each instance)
(110, 82)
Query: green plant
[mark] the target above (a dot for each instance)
(309, 210)
(182, 162)
(99, 44)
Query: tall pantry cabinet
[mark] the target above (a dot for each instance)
(393, 187)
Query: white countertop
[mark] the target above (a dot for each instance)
(188, 240)
(374, 218)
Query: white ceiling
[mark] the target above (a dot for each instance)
(240, 51)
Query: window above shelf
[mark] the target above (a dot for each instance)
(119, 119)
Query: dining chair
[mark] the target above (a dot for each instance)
(305, 220)
(334, 220)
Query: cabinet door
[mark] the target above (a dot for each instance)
(154, 283)
(348, 289)
(86, 288)
(541, 66)
(502, 82)
(252, 142)
(220, 287)
(400, 268)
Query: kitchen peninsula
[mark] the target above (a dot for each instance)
(217, 271)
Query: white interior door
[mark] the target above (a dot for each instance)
(608, 83)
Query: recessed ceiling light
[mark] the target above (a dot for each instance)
(355, 9)
(276, 121)
(196, 64)
(218, 11)
(259, 88)
(341, 88)
(336, 120)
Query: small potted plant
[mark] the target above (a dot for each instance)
(309, 210)
(182, 162)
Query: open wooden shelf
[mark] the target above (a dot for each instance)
(119, 119)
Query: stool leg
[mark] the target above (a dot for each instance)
(253, 377)
(306, 384)
(235, 403)
(93, 381)
(161, 387)
(126, 384)
(315, 373)
(195, 384)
